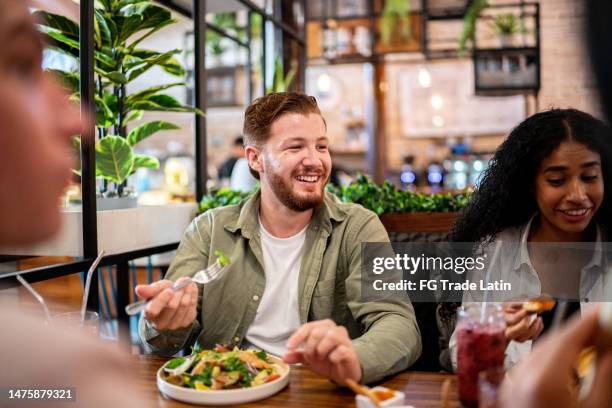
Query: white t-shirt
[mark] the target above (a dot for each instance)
(278, 315)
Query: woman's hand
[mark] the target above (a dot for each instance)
(520, 325)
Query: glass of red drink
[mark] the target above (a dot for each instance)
(481, 344)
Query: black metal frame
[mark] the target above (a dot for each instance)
(88, 160)
(89, 211)
(511, 90)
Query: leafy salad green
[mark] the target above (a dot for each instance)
(221, 369)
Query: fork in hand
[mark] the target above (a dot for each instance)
(204, 276)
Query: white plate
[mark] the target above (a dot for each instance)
(226, 397)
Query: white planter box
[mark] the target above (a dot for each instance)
(118, 230)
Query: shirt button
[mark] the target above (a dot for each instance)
(255, 298)
(236, 339)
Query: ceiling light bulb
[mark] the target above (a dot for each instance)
(438, 121)
(436, 102)
(424, 78)
(324, 83)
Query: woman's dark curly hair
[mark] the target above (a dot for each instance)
(505, 196)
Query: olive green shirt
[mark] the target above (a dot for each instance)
(385, 333)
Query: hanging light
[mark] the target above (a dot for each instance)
(424, 77)
(323, 83)
(436, 102)
(438, 121)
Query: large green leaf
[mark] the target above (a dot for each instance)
(60, 38)
(106, 34)
(142, 160)
(111, 100)
(145, 130)
(163, 103)
(107, 4)
(105, 117)
(126, 27)
(151, 32)
(105, 56)
(173, 67)
(70, 80)
(152, 15)
(152, 90)
(60, 23)
(119, 4)
(69, 46)
(117, 77)
(134, 115)
(158, 60)
(170, 65)
(114, 159)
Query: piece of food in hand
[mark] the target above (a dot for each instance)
(585, 361)
(221, 369)
(540, 304)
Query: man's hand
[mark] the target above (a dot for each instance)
(326, 349)
(169, 309)
(544, 378)
(519, 324)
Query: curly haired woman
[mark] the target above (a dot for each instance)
(546, 186)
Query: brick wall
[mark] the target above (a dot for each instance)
(567, 79)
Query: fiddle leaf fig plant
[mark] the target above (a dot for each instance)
(119, 29)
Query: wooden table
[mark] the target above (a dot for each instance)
(307, 389)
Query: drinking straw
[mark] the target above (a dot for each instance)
(483, 307)
(36, 295)
(93, 267)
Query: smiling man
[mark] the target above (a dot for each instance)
(293, 287)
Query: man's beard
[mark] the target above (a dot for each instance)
(283, 191)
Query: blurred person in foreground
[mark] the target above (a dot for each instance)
(35, 167)
(294, 282)
(547, 377)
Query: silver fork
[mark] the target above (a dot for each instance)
(204, 276)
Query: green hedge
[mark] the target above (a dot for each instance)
(381, 199)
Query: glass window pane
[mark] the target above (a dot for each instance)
(292, 53)
(257, 55)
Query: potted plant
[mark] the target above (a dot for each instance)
(396, 26)
(120, 28)
(280, 82)
(505, 25)
(469, 23)
(399, 210)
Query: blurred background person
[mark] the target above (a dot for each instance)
(242, 177)
(237, 151)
